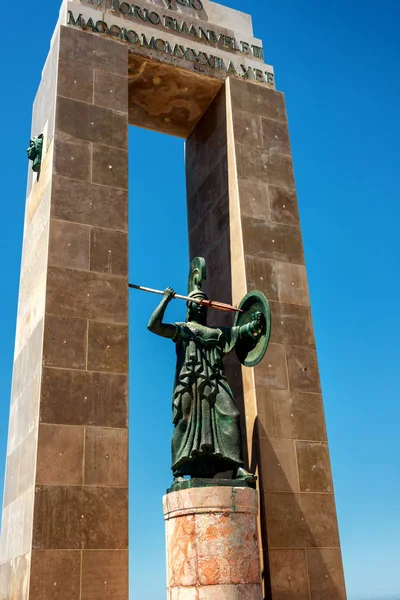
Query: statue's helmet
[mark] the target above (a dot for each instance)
(198, 294)
(197, 275)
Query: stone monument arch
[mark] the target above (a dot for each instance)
(190, 68)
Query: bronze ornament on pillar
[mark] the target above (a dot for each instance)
(35, 152)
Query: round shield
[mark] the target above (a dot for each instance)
(251, 351)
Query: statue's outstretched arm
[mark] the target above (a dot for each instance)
(155, 324)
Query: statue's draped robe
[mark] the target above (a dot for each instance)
(207, 436)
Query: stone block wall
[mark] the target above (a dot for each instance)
(289, 444)
(261, 246)
(19, 485)
(72, 339)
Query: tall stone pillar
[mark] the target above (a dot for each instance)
(65, 520)
(243, 219)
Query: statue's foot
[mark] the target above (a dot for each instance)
(248, 477)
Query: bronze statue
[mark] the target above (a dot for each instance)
(35, 152)
(207, 436)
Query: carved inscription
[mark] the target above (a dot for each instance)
(180, 51)
(197, 32)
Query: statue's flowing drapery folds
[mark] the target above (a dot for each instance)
(207, 422)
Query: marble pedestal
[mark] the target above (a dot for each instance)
(212, 546)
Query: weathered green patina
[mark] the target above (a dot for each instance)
(35, 152)
(207, 436)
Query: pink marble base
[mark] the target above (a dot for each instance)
(212, 547)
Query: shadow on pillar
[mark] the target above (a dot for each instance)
(297, 516)
(209, 222)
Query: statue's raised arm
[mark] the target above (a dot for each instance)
(156, 324)
(207, 437)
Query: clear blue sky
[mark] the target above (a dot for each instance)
(338, 64)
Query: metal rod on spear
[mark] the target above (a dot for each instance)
(208, 303)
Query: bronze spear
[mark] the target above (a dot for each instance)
(203, 302)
